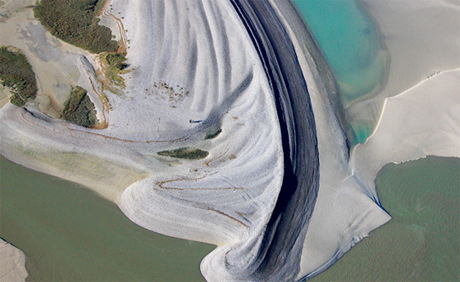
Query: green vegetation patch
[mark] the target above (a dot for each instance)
(79, 109)
(76, 22)
(185, 153)
(17, 74)
(114, 66)
(116, 61)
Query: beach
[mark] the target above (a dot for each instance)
(246, 83)
(12, 263)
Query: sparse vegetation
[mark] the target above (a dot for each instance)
(79, 109)
(174, 94)
(213, 133)
(185, 153)
(114, 65)
(76, 22)
(17, 74)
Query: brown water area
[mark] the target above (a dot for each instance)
(69, 233)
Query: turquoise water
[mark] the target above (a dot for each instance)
(68, 233)
(421, 242)
(350, 43)
(352, 47)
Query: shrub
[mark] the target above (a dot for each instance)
(79, 109)
(17, 74)
(185, 153)
(76, 22)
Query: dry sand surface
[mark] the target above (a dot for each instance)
(12, 263)
(194, 61)
(422, 37)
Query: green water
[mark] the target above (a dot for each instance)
(422, 241)
(68, 233)
(352, 47)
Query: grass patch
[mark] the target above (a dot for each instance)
(17, 74)
(114, 65)
(76, 22)
(79, 109)
(117, 61)
(185, 153)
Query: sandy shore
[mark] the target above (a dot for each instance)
(422, 39)
(12, 263)
(422, 118)
(180, 70)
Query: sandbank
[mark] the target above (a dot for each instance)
(12, 263)
(422, 40)
(179, 71)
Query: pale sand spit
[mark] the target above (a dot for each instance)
(12, 263)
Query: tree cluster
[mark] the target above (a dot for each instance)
(76, 22)
(79, 109)
(17, 74)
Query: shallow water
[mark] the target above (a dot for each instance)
(69, 233)
(421, 242)
(352, 47)
(349, 41)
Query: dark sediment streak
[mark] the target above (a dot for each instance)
(280, 246)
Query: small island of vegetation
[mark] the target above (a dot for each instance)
(185, 153)
(79, 109)
(16, 73)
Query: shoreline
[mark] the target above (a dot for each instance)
(327, 239)
(175, 198)
(404, 28)
(12, 263)
(364, 154)
(160, 191)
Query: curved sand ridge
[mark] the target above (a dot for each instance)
(231, 198)
(187, 62)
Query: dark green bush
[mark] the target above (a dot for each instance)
(185, 153)
(79, 109)
(116, 60)
(76, 22)
(17, 74)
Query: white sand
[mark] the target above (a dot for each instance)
(224, 199)
(12, 263)
(201, 50)
(422, 37)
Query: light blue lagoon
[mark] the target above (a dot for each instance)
(350, 43)
(352, 47)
